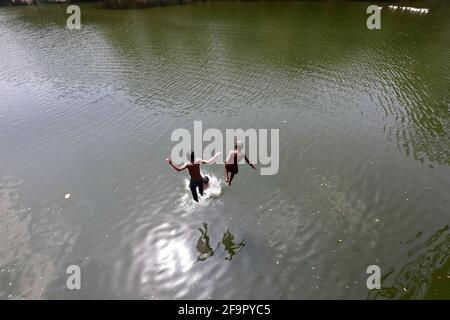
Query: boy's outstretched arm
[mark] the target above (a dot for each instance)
(212, 159)
(249, 163)
(178, 168)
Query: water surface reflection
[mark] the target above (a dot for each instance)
(230, 244)
(228, 240)
(203, 246)
(426, 276)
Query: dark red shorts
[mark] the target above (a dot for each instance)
(233, 168)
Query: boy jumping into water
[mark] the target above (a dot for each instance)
(231, 163)
(194, 171)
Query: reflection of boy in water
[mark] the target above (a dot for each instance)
(230, 246)
(203, 246)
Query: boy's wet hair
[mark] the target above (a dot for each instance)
(205, 179)
(192, 156)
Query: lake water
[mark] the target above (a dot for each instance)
(364, 177)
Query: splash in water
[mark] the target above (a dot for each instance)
(212, 190)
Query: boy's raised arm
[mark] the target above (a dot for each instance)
(248, 161)
(212, 159)
(178, 168)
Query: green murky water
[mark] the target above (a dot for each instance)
(364, 178)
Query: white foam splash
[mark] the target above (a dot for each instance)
(419, 11)
(213, 191)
